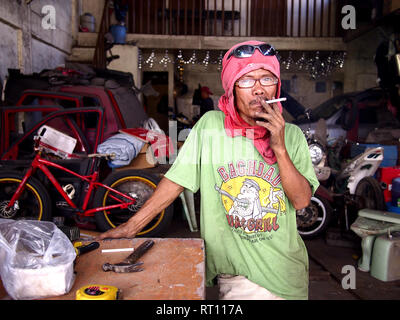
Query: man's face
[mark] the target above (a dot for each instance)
(246, 98)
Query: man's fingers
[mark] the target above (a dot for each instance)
(264, 115)
(268, 117)
(120, 232)
(266, 125)
(272, 109)
(104, 235)
(278, 112)
(267, 107)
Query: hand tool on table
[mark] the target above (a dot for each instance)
(130, 264)
(98, 292)
(81, 249)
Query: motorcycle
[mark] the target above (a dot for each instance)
(343, 189)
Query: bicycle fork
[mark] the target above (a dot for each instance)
(21, 187)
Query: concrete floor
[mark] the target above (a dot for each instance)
(325, 275)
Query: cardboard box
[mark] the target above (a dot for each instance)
(141, 161)
(56, 142)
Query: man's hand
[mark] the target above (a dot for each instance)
(122, 231)
(275, 124)
(296, 187)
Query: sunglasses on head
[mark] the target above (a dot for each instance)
(247, 50)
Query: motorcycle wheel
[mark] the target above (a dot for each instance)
(370, 194)
(33, 204)
(142, 186)
(314, 219)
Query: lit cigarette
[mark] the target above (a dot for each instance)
(275, 100)
(117, 250)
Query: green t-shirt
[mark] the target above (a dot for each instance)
(247, 223)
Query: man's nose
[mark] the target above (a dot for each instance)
(258, 89)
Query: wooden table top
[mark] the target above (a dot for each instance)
(174, 269)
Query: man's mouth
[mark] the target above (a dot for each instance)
(255, 102)
(257, 108)
(256, 105)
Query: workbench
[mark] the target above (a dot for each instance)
(174, 269)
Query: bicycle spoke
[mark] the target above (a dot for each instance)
(138, 190)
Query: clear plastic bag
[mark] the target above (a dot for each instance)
(36, 259)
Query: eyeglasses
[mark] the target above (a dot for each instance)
(247, 50)
(250, 83)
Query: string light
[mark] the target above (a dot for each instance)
(219, 61)
(151, 59)
(316, 64)
(206, 60)
(140, 57)
(288, 62)
(166, 59)
(193, 58)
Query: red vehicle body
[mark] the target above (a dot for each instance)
(116, 115)
(88, 113)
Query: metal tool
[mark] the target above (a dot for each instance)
(81, 249)
(130, 264)
(123, 267)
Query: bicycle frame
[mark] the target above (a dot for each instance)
(43, 164)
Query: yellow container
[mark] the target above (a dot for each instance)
(98, 292)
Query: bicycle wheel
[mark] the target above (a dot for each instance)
(138, 185)
(33, 204)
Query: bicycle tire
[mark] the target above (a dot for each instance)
(143, 185)
(33, 204)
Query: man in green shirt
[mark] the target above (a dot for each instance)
(253, 171)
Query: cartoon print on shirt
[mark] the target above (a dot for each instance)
(276, 197)
(247, 203)
(252, 202)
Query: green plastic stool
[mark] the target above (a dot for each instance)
(187, 198)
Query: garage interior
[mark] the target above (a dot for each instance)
(340, 74)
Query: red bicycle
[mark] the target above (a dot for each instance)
(115, 200)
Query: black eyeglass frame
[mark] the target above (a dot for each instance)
(269, 51)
